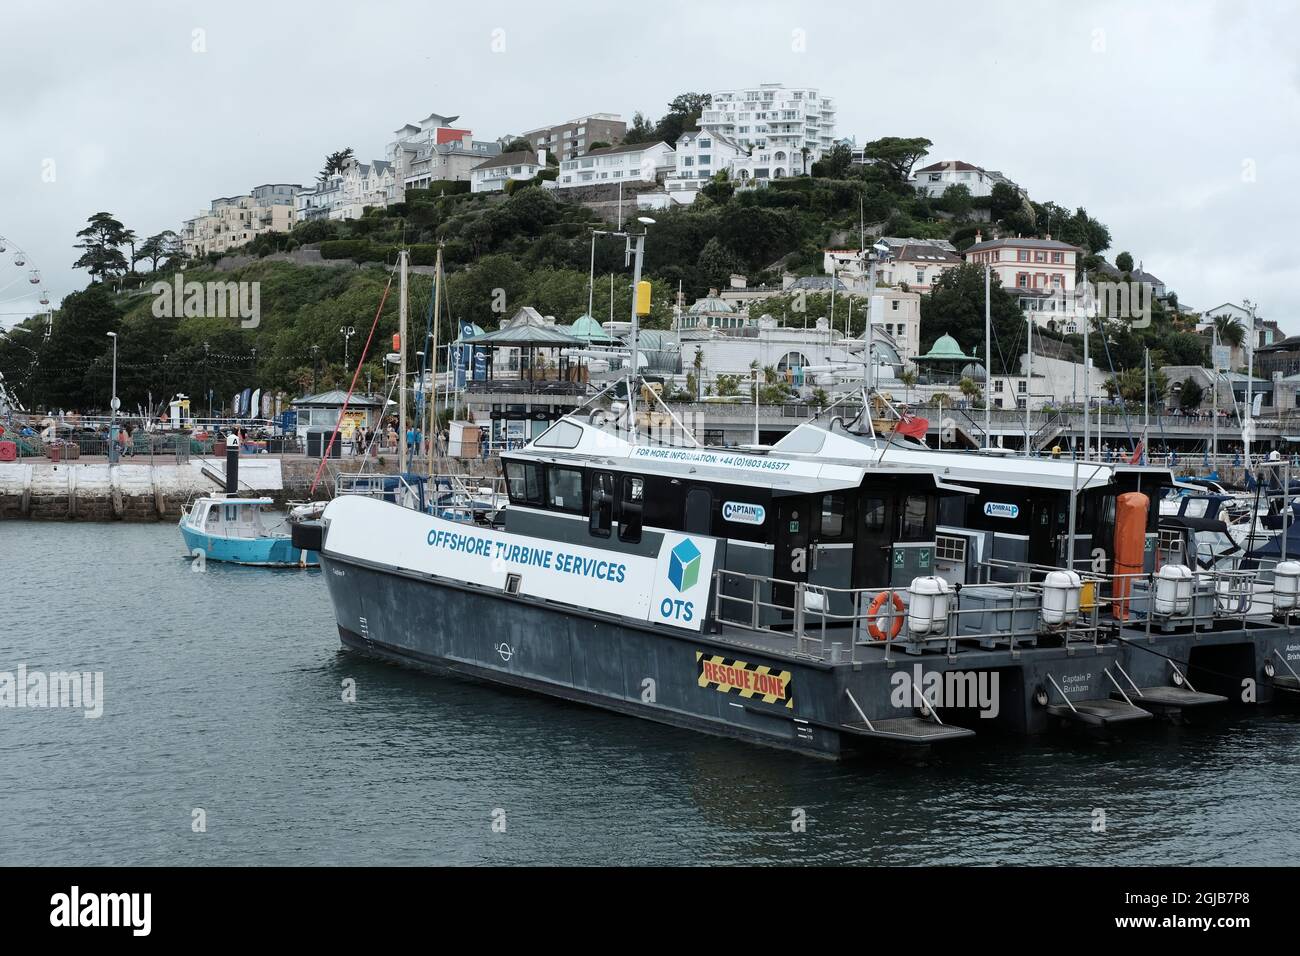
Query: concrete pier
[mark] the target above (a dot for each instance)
(38, 489)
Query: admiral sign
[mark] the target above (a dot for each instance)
(999, 509)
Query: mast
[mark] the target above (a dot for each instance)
(1087, 364)
(1248, 428)
(433, 364)
(1146, 400)
(401, 366)
(1029, 378)
(1214, 392)
(988, 360)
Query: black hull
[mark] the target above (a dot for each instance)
(585, 658)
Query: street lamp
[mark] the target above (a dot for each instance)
(879, 251)
(347, 331)
(113, 404)
(635, 250)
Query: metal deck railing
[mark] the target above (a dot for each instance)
(1230, 595)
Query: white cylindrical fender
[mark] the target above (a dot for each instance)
(927, 606)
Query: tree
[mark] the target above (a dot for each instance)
(100, 240)
(129, 238)
(897, 154)
(163, 245)
(716, 264)
(517, 145)
(909, 378)
(1124, 262)
(641, 130)
(1128, 384)
(970, 389)
(719, 188)
(1190, 395)
(1229, 330)
(1004, 200)
(77, 377)
(957, 201)
(835, 164)
(1182, 348)
(599, 144)
(334, 163)
(683, 115)
(955, 306)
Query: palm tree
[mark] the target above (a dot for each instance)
(1229, 330)
(908, 378)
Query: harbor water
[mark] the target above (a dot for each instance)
(225, 738)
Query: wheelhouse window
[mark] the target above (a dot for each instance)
(524, 482)
(832, 516)
(601, 515)
(630, 509)
(873, 514)
(912, 519)
(564, 489)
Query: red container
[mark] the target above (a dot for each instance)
(8, 451)
(55, 452)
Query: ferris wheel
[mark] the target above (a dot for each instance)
(22, 291)
(22, 295)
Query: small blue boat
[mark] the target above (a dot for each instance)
(242, 531)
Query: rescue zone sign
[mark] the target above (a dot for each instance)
(748, 680)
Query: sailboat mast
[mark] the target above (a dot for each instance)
(401, 366)
(433, 363)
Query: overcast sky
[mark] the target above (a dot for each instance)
(1176, 124)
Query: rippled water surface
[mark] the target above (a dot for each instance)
(223, 692)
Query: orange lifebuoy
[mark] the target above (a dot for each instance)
(874, 611)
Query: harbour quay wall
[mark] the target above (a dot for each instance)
(41, 490)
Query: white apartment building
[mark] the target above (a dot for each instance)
(232, 221)
(434, 151)
(492, 174)
(786, 130)
(917, 265)
(346, 193)
(635, 163)
(699, 156)
(934, 180)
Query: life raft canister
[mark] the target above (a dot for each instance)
(873, 612)
(1131, 510)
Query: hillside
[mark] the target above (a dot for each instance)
(503, 252)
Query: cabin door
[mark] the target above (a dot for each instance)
(698, 518)
(1050, 519)
(790, 557)
(871, 548)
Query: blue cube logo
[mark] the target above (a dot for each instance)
(684, 565)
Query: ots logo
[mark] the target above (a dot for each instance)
(684, 565)
(683, 573)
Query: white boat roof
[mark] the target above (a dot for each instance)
(223, 500)
(831, 440)
(819, 455)
(576, 440)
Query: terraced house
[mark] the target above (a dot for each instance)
(232, 221)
